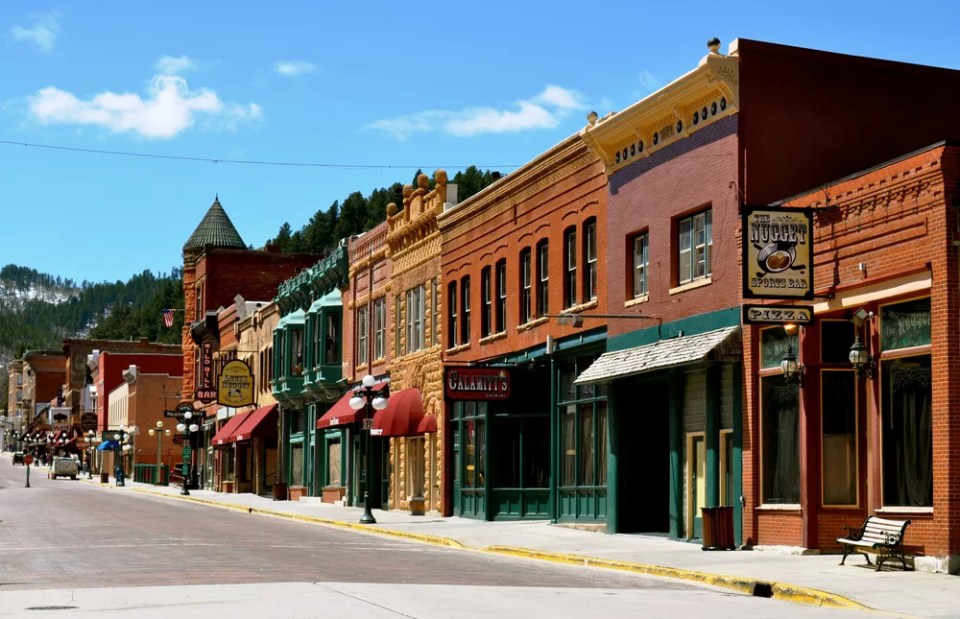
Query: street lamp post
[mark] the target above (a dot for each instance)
(159, 432)
(186, 427)
(92, 438)
(122, 436)
(370, 399)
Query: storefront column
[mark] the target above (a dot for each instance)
(676, 455)
(714, 394)
(489, 466)
(554, 446)
(614, 446)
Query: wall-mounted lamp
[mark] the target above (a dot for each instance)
(860, 358)
(791, 368)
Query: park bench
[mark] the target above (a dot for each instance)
(880, 536)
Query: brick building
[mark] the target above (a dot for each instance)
(873, 439)
(749, 128)
(217, 266)
(520, 440)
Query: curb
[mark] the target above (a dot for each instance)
(747, 586)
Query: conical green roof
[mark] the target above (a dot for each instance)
(215, 229)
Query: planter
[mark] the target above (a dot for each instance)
(417, 506)
(332, 494)
(295, 493)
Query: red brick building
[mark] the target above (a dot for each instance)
(878, 440)
(520, 440)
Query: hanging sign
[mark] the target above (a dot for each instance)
(778, 314)
(777, 253)
(235, 384)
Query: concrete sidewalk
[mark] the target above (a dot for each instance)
(813, 579)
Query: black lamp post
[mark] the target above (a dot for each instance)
(122, 436)
(370, 399)
(91, 452)
(186, 427)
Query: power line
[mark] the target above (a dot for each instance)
(341, 166)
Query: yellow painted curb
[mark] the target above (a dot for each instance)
(746, 586)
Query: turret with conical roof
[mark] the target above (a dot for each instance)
(215, 229)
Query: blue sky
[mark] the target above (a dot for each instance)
(363, 93)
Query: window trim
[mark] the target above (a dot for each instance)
(543, 278)
(706, 216)
(526, 285)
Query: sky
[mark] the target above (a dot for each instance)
(120, 122)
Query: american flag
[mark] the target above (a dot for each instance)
(167, 317)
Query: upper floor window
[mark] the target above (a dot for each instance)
(296, 352)
(397, 326)
(452, 327)
(486, 303)
(694, 243)
(331, 353)
(543, 278)
(570, 267)
(590, 260)
(501, 309)
(415, 318)
(363, 330)
(380, 328)
(641, 264)
(435, 310)
(465, 310)
(526, 287)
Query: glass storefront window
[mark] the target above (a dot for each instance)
(838, 392)
(780, 436)
(907, 432)
(569, 446)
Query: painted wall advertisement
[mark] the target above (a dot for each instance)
(777, 253)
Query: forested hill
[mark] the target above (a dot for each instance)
(37, 310)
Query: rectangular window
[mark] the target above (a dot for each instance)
(296, 349)
(501, 296)
(641, 264)
(486, 307)
(416, 299)
(415, 466)
(452, 327)
(907, 432)
(587, 442)
(543, 278)
(590, 259)
(380, 328)
(331, 355)
(334, 459)
(362, 330)
(465, 310)
(435, 310)
(694, 244)
(569, 445)
(570, 268)
(397, 328)
(838, 393)
(526, 286)
(780, 440)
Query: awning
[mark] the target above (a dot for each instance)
(340, 414)
(261, 423)
(427, 425)
(402, 415)
(662, 354)
(228, 429)
(108, 445)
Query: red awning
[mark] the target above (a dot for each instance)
(340, 414)
(402, 415)
(427, 425)
(228, 429)
(261, 423)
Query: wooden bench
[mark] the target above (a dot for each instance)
(880, 536)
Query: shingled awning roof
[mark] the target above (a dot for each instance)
(215, 229)
(663, 354)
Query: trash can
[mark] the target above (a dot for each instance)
(717, 528)
(279, 491)
(104, 478)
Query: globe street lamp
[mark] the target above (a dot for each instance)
(370, 399)
(122, 436)
(186, 427)
(159, 432)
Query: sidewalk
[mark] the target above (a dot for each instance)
(812, 579)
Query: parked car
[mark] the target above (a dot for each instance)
(63, 467)
(17, 457)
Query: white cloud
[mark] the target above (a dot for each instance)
(175, 65)
(543, 111)
(43, 34)
(170, 108)
(293, 67)
(648, 82)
